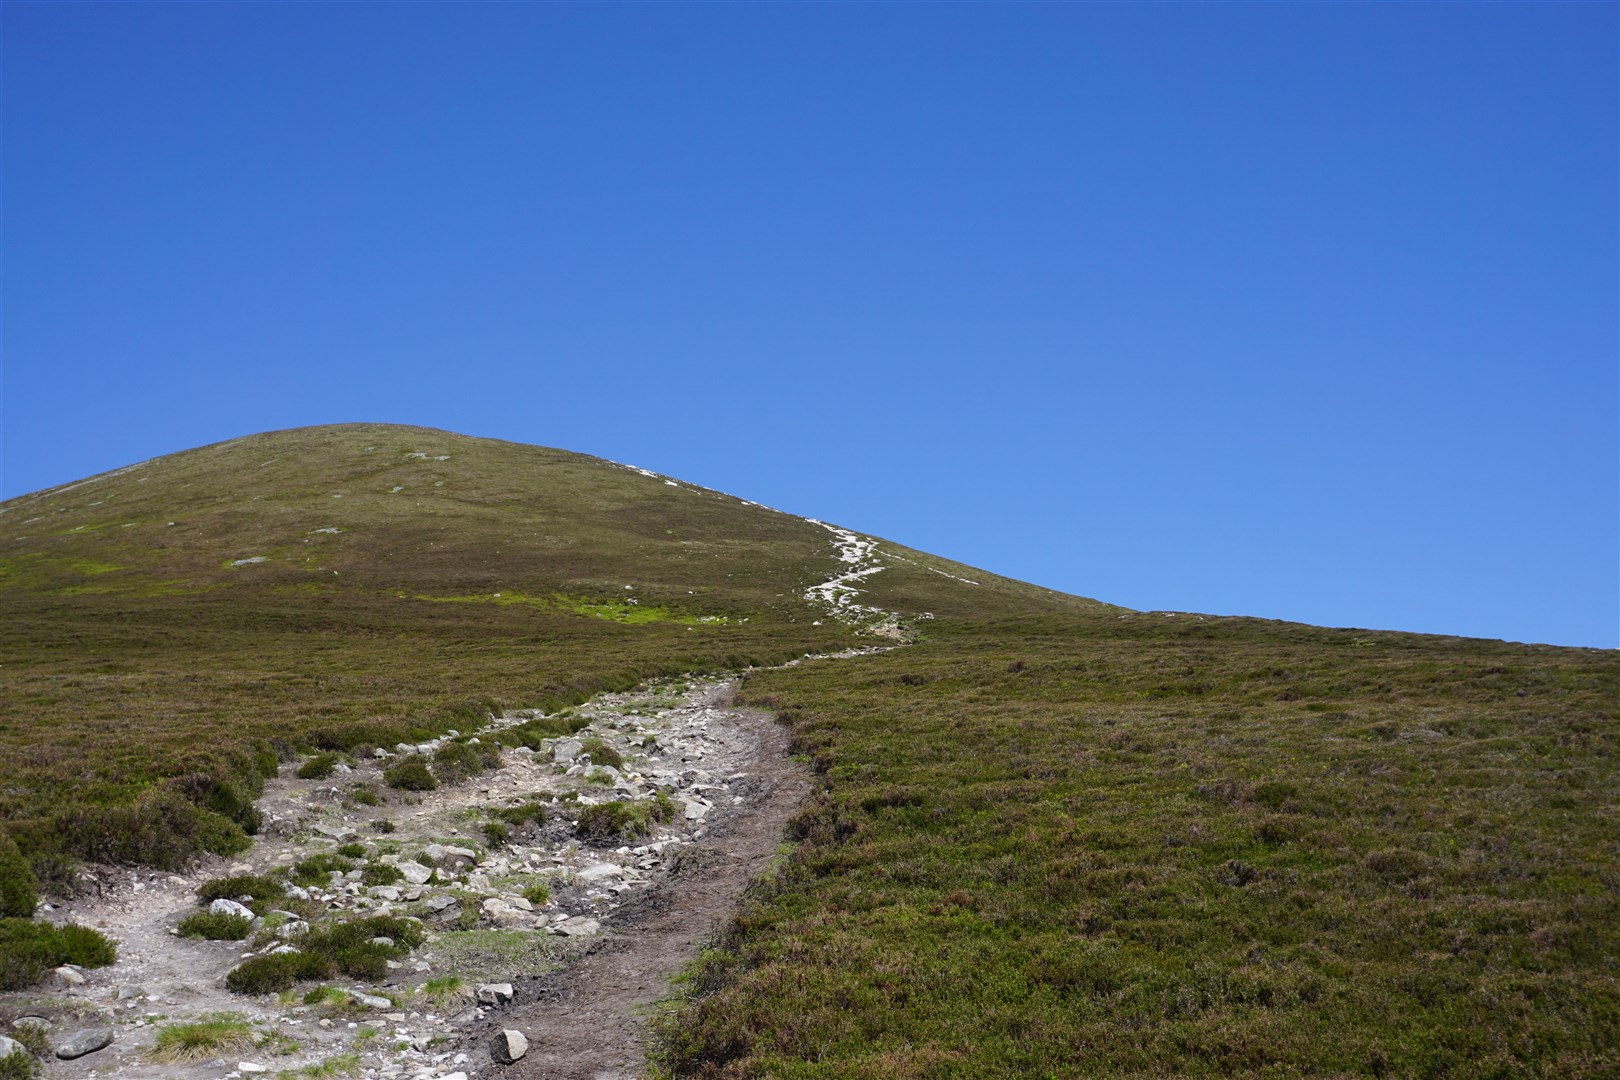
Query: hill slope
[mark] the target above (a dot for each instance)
(364, 583)
(1050, 837)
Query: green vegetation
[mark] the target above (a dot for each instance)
(537, 893)
(20, 1065)
(318, 869)
(411, 774)
(349, 948)
(318, 767)
(603, 754)
(203, 924)
(456, 761)
(381, 874)
(1201, 846)
(254, 890)
(1050, 837)
(19, 891)
(447, 992)
(338, 1065)
(498, 955)
(620, 820)
(213, 1036)
(29, 949)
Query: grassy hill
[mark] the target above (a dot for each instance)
(1052, 837)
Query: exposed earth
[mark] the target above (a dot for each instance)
(585, 965)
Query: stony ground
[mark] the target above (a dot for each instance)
(634, 911)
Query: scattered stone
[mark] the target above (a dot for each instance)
(251, 1067)
(578, 926)
(566, 750)
(495, 993)
(341, 833)
(9, 1046)
(600, 872)
(371, 1001)
(68, 975)
(508, 1046)
(84, 1041)
(415, 872)
(131, 992)
(230, 907)
(441, 902)
(39, 1023)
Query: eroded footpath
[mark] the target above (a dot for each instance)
(557, 931)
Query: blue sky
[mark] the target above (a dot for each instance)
(1298, 311)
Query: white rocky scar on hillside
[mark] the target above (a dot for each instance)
(838, 594)
(492, 910)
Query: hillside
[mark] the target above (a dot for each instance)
(1048, 836)
(366, 583)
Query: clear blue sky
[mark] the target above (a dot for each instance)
(1299, 311)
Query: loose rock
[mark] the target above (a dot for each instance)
(495, 993)
(508, 1046)
(86, 1041)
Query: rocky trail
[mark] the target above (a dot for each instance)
(545, 948)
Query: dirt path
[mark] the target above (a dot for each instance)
(587, 1021)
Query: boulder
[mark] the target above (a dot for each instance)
(230, 907)
(38, 1023)
(84, 1041)
(494, 994)
(507, 1046)
(578, 926)
(371, 1001)
(415, 873)
(68, 975)
(131, 992)
(9, 1046)
(566, 750)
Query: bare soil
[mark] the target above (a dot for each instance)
(588, 1021)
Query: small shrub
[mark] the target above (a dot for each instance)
(365, 795)
(19, 891)
(496, 833)
(276, 972)
(411, 775)
(344, 949)
(57, 874)
(381, 874)
(538, 893)
(258, 889)
(459, 760)
(29, 949)
(603, 754)
(317, 869)
(1274, 793)
(523, 814)
(382, 825)
(199, 1040)
(20, 1065)
(624, 820)
(203, 924)
(447, 991)
(599, 778)
(352, 851)
(318, 767)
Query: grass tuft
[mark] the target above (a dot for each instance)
(199, 1040)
